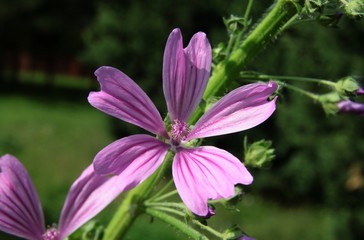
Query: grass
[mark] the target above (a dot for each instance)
(55, 80)
(56, 139)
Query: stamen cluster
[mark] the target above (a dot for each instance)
(179, 131)
(51, 234)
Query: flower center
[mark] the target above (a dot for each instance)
(179, 131)
(51, 234)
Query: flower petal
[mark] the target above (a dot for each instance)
(89, 195)
(205, 173)
(122, 98)
(348, 106)
(133, 158)
(241, 109)
(20, 209)
(185, 73)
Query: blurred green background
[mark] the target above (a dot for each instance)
(49, 50)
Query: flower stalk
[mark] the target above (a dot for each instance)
(267, 29)
(257, 76)
(131, 206)
(183, 227)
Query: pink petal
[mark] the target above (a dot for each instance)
(133, 158)
(205, 173)
(89, 195)
(348, 106)
(241, 109)
(185, 73)
(20, 209)
(122, 98)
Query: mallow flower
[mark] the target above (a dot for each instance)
(200, 173)
(360, 91)
(348, 106)
(21, 212)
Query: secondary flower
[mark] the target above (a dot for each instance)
(200, 173)
(21, 212)
(360, 91)
(347, 106)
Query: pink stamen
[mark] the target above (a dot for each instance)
(51, 234)
(179, 132)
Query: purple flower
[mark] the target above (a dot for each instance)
(21, 212)
(199, 173)
(347, 106)
(245, 237)
(360, 91)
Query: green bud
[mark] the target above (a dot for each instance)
(329, 102)
(235, 23)
(354, 8)
(347, 85)
(258, 153)
(233, 232)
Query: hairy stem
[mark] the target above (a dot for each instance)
(131, 207)
(267, 29)
(257, 76)
(303, 92)
(264, 32)
(180, 225)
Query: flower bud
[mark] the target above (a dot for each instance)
(245, 237)
(258, 153)
(360, 91)
(329, 102)
(235, 232)
(354, 8)
(348, 85)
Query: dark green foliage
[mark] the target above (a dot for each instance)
(316, 154)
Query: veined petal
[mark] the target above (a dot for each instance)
(348, 106)
(88, 195)
(20, 209)
(122, 98)
(205, 173)
(241, 109)
(185, 73)
(173, 72)
(133, 158)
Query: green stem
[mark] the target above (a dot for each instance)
(207, 228)
(246, 23)
(196, 222)
(167, 195)
(295, 22)
(302, 79)
(160, 194)
(248, 9)
(166, 204)
(267, 29)
(130, 208)
(182, 226)
(170, 210)
(304, 92)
